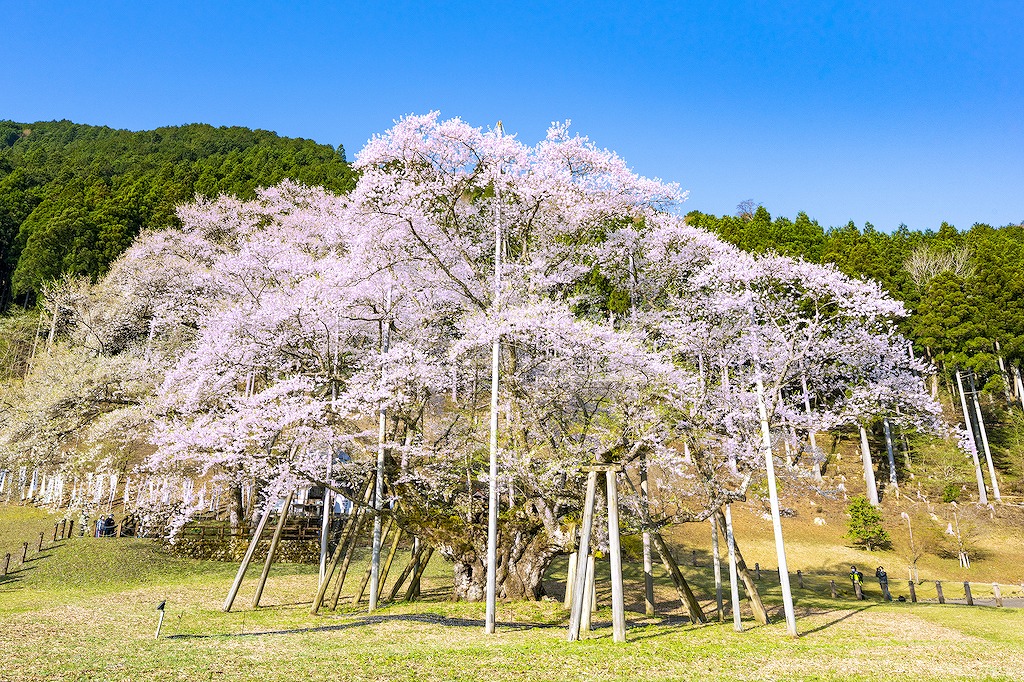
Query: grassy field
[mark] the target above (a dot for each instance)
(84, 609)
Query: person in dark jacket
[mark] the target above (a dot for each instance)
(883, 582)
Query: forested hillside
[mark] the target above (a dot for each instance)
(964, 290)
(73, 197)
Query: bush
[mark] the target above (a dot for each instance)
(951, 493)
(865, 525)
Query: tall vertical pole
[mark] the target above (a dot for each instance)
(648, 563)
(816, 467)
(582, 556)
(982, 493)
(869, 468)
(984, 440)
(1020, 386)
(716, 557)
(893, 482)
(492, 496)
(325, 524)
(378, 498)
(615, 557)
(773, 493)
(734, 587)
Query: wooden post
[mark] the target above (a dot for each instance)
(967, 593)
(757, 571)
(39, 545)
(693, 557)
(938, 591)
(589, 595)
(576, 615)
(800, 579)
(570, 580)
(24, 551)
(342, 543)
(913, 592)
(71, 525)
(274, 541)
(350, 551)
(997, 594)
(414, 585)
(247, 558)
(756, 605)
(386, 568)
(716, 558)
(686, 595)
(55, 531)
(618, 603)
(832, 587)
(409, 569)
(63, 528)
(7, 563)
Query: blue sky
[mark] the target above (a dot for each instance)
(883, 112)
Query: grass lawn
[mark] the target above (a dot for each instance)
(83, 609)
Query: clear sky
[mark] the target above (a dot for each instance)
(887, 112)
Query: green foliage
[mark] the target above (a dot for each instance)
(73, 197)
(865, 525)
(951, 492)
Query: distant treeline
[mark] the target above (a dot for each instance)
(73, 197)
(965, 290)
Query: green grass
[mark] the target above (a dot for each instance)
(84, 610)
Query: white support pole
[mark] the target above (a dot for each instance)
(869, 469)
(325, 522)
(492, 495)
(734, 587)
(773, 498)
(716, 557)
(378, 497)
(982, 493)
(615, 558)
(893, 482)
(646, 538)
(582, 555)
(1020, 386)
(811, 435)
(984, 441)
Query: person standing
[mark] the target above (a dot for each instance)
(883, 582)
(857, 578)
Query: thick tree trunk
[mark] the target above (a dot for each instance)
(520, 571)
(235, 509)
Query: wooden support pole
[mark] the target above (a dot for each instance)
(757, 571)
(832, 588)
(55, 531)
(350, 551)
(800, 579)
(615, 551)
(247, 558)
(753, 594)
(583, 550)
(570, 579)
(967, 594)
(372, 568)
(274, 541)
(414, 585)
(386, 568)
(589, 595)
(24, 551)
(409, 569)
(997, 594)
(342, 544)
(984, 441)
(938, 591)
(686, 596)
(913, 592)
(7, 563)
(982, 493)
(39, 545)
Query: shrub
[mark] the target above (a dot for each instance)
(865, 525)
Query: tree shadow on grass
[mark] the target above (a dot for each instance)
(428, 618)
(825, 626)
